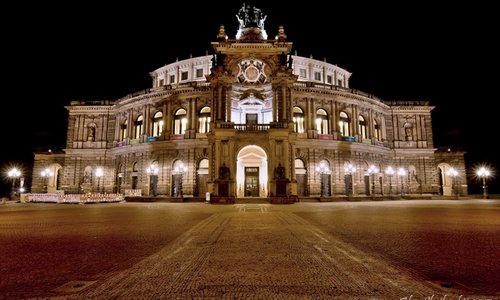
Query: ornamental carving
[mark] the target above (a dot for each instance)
(251, 71)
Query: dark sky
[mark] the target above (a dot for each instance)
(408, 51)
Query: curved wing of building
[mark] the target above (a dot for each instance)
(251, 120)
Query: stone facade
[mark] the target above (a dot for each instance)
(251, 120)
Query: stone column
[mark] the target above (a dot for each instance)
(147, 121)
(166, 119)
(117, 126)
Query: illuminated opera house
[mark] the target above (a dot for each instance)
(251, 120)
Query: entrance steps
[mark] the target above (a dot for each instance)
(246, 200)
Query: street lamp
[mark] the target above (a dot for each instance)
(402, 173)
(13, 173)
(350, 169)
(180, 169)
(372, 170)
(452, 173)
(46, 173)
(99, 172)
(153, 170)
(484, 173)
(389, 172)
(323, 169)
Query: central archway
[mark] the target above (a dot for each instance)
(251, 170)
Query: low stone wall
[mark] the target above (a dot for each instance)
(72, 198)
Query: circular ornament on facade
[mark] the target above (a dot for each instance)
(252, 73)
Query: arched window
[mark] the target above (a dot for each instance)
(138, 126)
(123, 130)
(362, 127)
(157, 123)
(321, 121)
(298, 119)
(377, 133)
(180, 121)
(300, 167)
(204, 120)
(344, 125)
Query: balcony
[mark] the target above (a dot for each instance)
(251, 127)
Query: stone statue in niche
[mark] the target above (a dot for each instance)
(91, 133)
(87, 177)
(408, 132)
(224, 172)
(279, 172)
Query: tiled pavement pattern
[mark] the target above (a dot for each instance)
(248, 251)
(257, 254)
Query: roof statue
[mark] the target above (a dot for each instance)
(251, 23)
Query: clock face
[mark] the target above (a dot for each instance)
(251, 71)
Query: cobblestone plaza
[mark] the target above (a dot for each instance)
(376, 250)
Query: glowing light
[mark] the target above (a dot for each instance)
(372, 169)
(152, 169)
(484, 173)
(349, 169)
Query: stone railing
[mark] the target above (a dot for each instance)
(251, 127)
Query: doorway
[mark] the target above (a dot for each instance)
(251, 172)
(251, 181)
(251, 119)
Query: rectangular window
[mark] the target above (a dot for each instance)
(339, 83)
(172, 79)
(329, 79)
(317, 76)
(162, 82)
(184, 75)
(199, 73)
(303, 73)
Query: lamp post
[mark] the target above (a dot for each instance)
(453, 173)
(99, 172)
(402, 173)
(46, 173)
(350, 169)
(323, 169)
(180, 169)
(389, 172)
(13, 173)
(372, 170)
(484, 173)
(153, 170)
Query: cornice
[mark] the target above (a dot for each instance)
(82, 109)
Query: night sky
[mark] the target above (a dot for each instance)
(446, 55)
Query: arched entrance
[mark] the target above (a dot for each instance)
(301, 175)
(445, 181)
(252, 174)
(201, 178)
